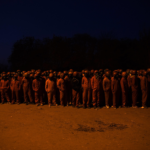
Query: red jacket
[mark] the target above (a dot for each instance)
(36, 85)
(26, 84)
(115, 84)
(86, 83)
(15, 85)
(144, 83)
(61, 84)
(134, 83)
(5, 85)
(106, 84)
(124, 85)
(50, 85)
(96, 83)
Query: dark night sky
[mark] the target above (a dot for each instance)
(44, 18)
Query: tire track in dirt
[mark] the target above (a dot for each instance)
(102, 127)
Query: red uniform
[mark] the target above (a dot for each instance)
(43, 80)
(50, 88)
(129, 90)
(15, 87)
(26, 89)
(68, 89)
(19, 78)
(97, 88)
(5, 90)
(115, 85)
(57, 92)
(86, 85)
(107, 90)
(148, 100)
(31, 90)
(144, 89)
(75, 90)
(134, 87)
(36, 86)
(62, 90)
(124, 89)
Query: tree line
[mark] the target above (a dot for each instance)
(81, 51)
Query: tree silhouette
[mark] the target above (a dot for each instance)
(81, 51)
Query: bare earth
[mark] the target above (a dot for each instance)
(65, 128)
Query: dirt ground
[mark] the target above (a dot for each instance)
(28, 127)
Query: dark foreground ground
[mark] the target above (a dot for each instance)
(65, 128)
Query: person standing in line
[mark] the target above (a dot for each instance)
(134, 87)
(124, 89)
(75, 89)
(50, 88)
(144, 89)
(86, 86)
(107, 88)
(36, 86)
(62, 89)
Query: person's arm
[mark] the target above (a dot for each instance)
(11, 85)
(112, 85)
(58, 84)
(122, 85)
(82, 83)
(33, 85)
(20, 86)
(46, 85)
(7, 85)
(104, 84)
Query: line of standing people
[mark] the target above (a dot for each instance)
(96, 87)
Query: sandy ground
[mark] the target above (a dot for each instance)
(28, 127)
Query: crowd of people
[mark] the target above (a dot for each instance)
(94, 88)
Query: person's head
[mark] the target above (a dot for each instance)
(37, 75)
(86, 73)
(15, 76)
(124, 74)
(75, 74)
(62, 75)
(92, 72)
(96, 72)
(83, 73)
(106, 70)
(51, 76)
(107, 74)
(128, 71)
(55, 73)
(71, 70)
(148, 70)
(8, 74)
(144, 73)
(25, 75)
(18, 72)
(120, 71)
(32, 71)
(70, 74)
(31, 76)
(43, 74)
(50, 71)
(134, 72)
(115, 74)
(100, 72)
(4, 76)
(65, 73)
(58, 74)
